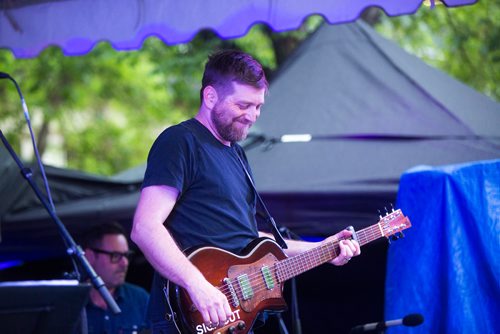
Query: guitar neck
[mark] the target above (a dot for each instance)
(293, 266)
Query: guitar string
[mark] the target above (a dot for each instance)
(260, 286)
(258, 283)
(256, 280)
(284, 267)
(370, 233)
(282, 270)
(364, 236)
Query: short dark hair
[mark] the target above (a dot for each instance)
(94, 235)
(225, 67)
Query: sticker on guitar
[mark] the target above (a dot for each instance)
(202, 328)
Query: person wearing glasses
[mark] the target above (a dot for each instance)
(106, 248)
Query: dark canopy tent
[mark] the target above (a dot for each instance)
(372, 111)
(26, 230)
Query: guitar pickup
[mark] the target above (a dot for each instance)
(268, 277)
(245, 286)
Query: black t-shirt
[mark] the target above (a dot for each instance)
(216, 205)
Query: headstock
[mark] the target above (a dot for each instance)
(393, 223)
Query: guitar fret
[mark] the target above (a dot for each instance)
(369, 234)
(298, 264)
(326, 252)
(381, 231)
(291, 267)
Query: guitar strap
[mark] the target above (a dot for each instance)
(269, 219)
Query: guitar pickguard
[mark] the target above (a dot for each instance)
(260, 290)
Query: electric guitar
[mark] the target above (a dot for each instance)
(254, 282)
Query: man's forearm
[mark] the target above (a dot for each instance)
(164, 255)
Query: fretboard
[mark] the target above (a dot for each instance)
(293, 266)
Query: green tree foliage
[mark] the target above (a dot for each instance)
(462, 41)
(108, 106)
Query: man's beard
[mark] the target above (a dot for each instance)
(227, 129)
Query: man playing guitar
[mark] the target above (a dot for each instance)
(196, 193)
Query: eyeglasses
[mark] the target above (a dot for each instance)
(115, 257)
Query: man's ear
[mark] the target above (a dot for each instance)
(210, 97)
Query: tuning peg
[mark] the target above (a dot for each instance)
(379, 214)
(386, 212)
(392, 207)
(401, 234)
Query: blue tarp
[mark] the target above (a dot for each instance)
(448, 266)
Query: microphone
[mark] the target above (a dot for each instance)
(411, 320)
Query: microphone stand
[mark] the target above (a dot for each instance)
(74, 250)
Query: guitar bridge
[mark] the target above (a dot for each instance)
(234, 297)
